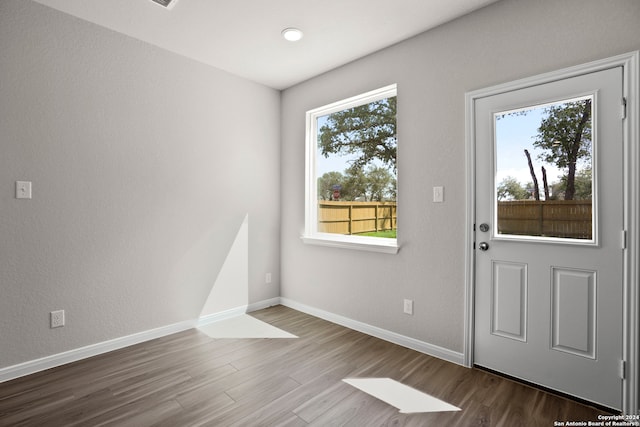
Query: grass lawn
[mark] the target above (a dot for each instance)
(389, 234)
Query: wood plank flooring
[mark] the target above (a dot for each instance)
(189, 379)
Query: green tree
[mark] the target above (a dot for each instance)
(374, 183)
(393, 189)
(583, 185)
(326, 183)
(367, 132)
(379, 184)
(565, 135)
(355, 184)
(510, 189)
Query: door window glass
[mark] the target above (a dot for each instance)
(544, 170)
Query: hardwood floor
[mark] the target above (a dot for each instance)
(189, 379)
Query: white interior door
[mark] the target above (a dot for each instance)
(549, 273)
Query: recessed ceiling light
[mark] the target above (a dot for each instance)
(292, 34)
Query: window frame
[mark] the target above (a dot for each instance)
(311, 234)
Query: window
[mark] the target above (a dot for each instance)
(351, 173)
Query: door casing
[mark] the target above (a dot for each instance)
(631, 209)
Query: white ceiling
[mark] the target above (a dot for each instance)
(243, 36)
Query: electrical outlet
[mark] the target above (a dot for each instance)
(267, 278)
(57, 319)
(408, 306)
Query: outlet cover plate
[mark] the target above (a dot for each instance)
(57, 319)
(23, 189)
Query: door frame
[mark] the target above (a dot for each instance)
(630, 63)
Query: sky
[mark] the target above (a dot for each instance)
(514, 134)
(331, 164)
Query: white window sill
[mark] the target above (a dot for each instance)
(361, 243)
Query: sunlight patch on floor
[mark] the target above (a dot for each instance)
(244, 326)
(408, 400)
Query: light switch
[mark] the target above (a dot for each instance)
(23, 189)
(438, 194)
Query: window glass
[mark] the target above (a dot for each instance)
(544, 170)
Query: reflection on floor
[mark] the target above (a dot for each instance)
(408, 400)
(243, 326)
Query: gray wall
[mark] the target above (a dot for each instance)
(144, 165)
(505, 41)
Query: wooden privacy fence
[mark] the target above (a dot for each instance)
(356, 217)
(551, 218)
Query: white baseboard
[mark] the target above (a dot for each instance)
(263, 304)
(33, 366)
(237, 311)
(412, 343)
(221, 315)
